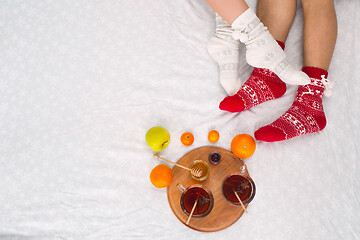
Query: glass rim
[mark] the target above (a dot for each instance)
(253, 187)
(201, 215)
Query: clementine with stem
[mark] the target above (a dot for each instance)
(187, 138)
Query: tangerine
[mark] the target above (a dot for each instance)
(213, 136)
(161, 176)
(187, 138)
(243, 146)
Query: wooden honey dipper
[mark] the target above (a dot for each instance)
(197, 172)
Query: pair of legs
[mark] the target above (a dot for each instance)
(320, 24)
(320, 32)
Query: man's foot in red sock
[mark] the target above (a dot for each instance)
(263, 85)
(306, 114)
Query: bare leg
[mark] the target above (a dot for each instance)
(228, 9)
(320, 32)
(262, 51)
(277, 16)
(306, 115)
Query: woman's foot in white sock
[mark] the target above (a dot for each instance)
(224, 49)
(262, 50)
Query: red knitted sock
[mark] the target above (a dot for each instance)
(263, 85)
(306, 114)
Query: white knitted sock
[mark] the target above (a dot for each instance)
(224, 49)
(262, 50)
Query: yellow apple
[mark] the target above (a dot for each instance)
(158, 138)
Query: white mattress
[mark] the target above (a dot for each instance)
(82, 82)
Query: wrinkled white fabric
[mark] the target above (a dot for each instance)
(82, 81)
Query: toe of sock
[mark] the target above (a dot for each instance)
(232, 104)
(296, 78)
(302, 78)
(270, 134)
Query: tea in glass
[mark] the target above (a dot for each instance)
(244, 187)
(204, 204)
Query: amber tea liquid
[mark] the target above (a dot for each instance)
(241, 185)
(203, 203)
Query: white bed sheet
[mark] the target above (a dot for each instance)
(82, 81)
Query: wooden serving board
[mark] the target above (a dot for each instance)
(223, 213)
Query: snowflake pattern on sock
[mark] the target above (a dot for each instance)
(263, 85)
(306, 115)
(262, 50)
(224, 49)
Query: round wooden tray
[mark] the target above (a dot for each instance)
(223, 213)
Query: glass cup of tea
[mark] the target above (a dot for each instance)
(188, 197)
(204, 167)
(240, 183)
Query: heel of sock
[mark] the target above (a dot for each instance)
(278, 86)
(321, 121)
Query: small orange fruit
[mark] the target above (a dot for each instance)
(213, 136)
(161, 176)
(243, 146)
(187, 138)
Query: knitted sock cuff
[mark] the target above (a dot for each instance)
(247, 17)
(282, 45)
(315, 72)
